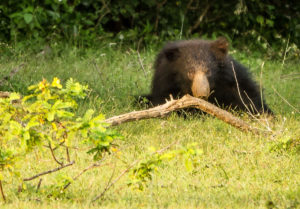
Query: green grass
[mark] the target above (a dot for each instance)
(236, 170)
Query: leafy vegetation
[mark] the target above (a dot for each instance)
(268, 24)
(190, 162)
(56, 151)
(46, 119)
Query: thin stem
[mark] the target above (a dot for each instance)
(141, 63)
(285, 100)
(39, 184)
(109, 182)
(53, 155)
(68, 154)
(254, 108)
(94, 165)
(127, 170)
(238, 88)
(2, 192)
(286, 50)
(49, 171)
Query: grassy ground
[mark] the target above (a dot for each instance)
(236, 170)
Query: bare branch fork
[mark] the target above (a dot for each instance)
(49, 171)
(186, 101)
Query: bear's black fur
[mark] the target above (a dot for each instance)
(204, 69)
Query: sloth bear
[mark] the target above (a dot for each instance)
(203, 68)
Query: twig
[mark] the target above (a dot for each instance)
(252, 105)
(128, 169)
(254, 108)
(200, 19)
(260, 86)
(94, 165)
(2, 192)
(108, 185)
(20, 188)
(238, 88)
(53, 155)
(158, 6)
(285, 100)
(39, 184)
(68, 154)
(60, 144)
(104, 6)
(49, 171)
(190, 7)
(265, 119)
(99, 71)
(141, 63)
(286, 50)
(181, 28)
(261, 95)
(290, 76)
(117, 179)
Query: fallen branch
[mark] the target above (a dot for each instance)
(4, 94)
(47, 172)
(185, 102)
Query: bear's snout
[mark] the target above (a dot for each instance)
(200, 85)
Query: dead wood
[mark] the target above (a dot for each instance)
(185, 102)
(4, 94)
(49, 171)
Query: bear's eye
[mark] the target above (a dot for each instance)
(172, 54)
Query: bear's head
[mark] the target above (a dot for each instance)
(195, 64)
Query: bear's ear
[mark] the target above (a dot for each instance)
(220, 47)
(172, 53)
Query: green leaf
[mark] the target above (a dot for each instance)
(62, 105)
(64, 114)
(270, 23)
(28, 18)
(50, 116)
(25, 98)
(199, 151)
(88, 115)
(188, 165)
(32, 87)
(260, 19)
(33, 122)
(14, 96)
(26, 135)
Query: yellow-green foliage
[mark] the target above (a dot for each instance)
(231, 170)
(45, 119)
